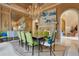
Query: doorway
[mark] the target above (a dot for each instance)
(69, 25)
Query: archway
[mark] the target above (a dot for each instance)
(69, 25)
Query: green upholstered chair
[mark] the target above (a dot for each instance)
(40, 33)
(19, 37)
(46, 34)
(23, 37)
(50, 42)
(30, 41)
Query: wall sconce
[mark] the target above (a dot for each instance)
(36, 20)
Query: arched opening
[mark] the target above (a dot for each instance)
(69, 25)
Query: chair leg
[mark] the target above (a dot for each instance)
(41, 48)
(25, 46)
(32, 50)
(53, 53)
(28, 47)
(54, 47)
(22, 44)
(50, 50)
(19, 42)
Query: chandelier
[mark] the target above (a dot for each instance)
(33, 10)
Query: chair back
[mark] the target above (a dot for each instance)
(53, 36)
(19, 35)
(23, 36)
(29, 38)
(40, 33)
(45, 33)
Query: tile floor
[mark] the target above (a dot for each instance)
(12, 48)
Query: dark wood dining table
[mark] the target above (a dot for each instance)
(38, 38)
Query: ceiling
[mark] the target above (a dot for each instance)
(27, 5)
(32, 7)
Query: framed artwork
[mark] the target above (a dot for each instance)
(47, 19)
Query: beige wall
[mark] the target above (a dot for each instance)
(5, 19)
(6, 23)
(28, 21)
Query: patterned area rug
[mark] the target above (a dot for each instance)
(59, 50)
